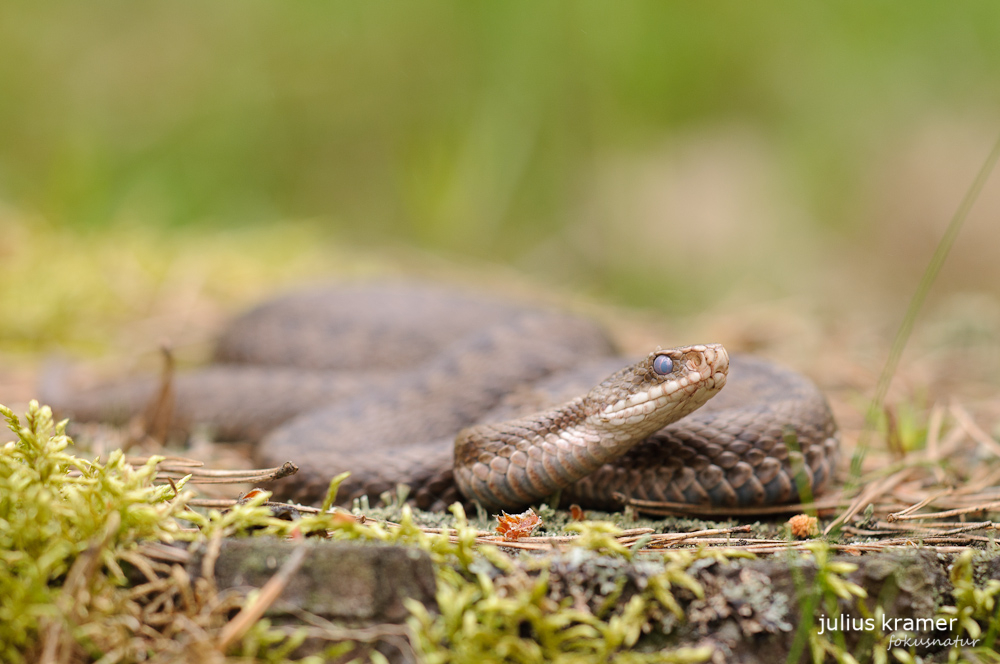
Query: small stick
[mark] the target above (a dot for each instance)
(955, 512)
(977, 434)
(665, 508)
(867, 496)
(251, 613)
(982, 525)
(951, 442)
(988, 479)
(913, 508)
(671, 537)
(209, 476)
(724, 542)
(934, 432)
(933, 437)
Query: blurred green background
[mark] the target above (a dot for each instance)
(658, 154)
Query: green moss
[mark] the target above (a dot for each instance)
(54, 509)
(67, 525)
(975, 605)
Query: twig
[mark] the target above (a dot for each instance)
(913, 508)
(982, 525)
(211, 476)
(867, 496)
(988, 479)
(251, 613)
(665, 508)
(977, 434)
(701, 535)
(57, 648)
(160, 411)
(933, 437)
(955, 512)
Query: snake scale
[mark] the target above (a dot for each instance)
(380, 378)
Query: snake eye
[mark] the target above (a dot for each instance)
(663, 365)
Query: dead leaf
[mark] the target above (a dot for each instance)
(516, 526)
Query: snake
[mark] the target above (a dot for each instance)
(461, 396)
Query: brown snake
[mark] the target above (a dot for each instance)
(379, 379)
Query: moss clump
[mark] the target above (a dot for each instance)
(64, 525)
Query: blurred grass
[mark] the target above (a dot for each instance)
(471, 129)
(128, 286)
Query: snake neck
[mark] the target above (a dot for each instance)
(511, 464)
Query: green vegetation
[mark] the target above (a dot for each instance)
(105, 281)
(68, 525)
(821, 597)
(180, 161)
(511, 134)
(974, 604)
(64, 525)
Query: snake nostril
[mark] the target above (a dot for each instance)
(694, 361)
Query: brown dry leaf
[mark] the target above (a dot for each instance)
(516, 526)
(246, 497)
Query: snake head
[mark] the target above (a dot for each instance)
(513, 463)
(661, 388)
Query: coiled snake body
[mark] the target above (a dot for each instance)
(379, 379)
